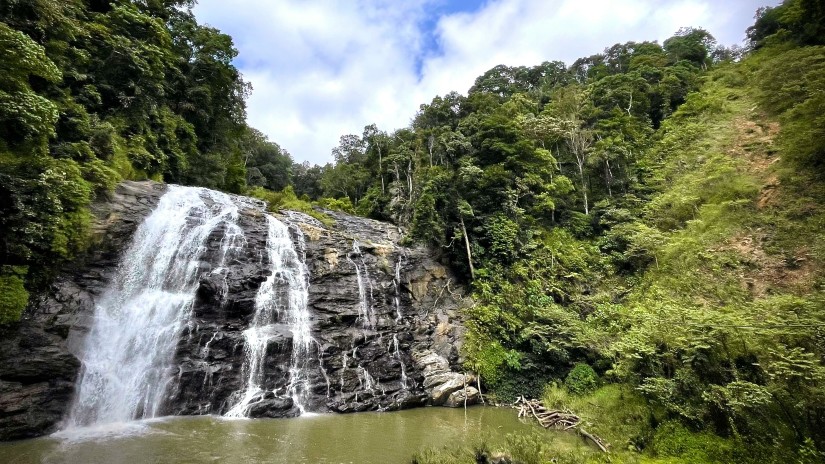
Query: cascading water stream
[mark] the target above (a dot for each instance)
(366, 382)
(272, 303)
(396, 353)
(393, 348)
(364, 281)
(299, 322)
(397, 286)
(127, 356)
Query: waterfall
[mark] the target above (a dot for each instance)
(299, 322)
(396, 282)
(365, 311)
(273, 303)
(207, 312)
(367, 383)
(396, 353)
(127, 356)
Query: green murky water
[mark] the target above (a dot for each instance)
(353, 438)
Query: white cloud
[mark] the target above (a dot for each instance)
(324, 68)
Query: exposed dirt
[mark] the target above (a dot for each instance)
(765, 273)
(754, 142)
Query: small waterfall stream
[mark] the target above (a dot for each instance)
(396, 353)
(159, 335)
(396, 283)
(272, 304)
(128, 353)
(365, 289)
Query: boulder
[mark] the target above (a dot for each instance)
(273, 407)
(461, 397)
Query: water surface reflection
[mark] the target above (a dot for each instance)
(354, 438)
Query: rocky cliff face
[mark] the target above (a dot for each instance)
(384, 319)
(38, 369)
(377, 309)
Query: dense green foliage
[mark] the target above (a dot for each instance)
(286, 199)
(13, 296)
(93, 92)
(643, 231)
(648, 217)
(581, 379)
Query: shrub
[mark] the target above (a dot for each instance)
(674, 440)
(13, 296)
(339, 204)
(286, 199)
(582, 379)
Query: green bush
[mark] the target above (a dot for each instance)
(13, 296)
(528, 449)
(338, 204)
(286, 199)
(582, 379)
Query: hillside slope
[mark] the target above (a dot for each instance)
(704, 322)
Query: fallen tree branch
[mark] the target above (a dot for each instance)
(598, 441)
(549, 418)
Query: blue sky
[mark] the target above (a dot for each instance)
(429, 24)
(324, 68)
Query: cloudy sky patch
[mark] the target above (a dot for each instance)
(324, 68)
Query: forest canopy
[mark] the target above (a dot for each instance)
(639, 229)
(652, 212)
(94, 92)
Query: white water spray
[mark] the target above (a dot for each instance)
(272, 303)
(365, 310)
(127, 357)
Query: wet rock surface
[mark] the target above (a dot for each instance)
(384, 319)
(38, 362)
(365, 333)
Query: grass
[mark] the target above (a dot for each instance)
(614, 412)
(743, 244)
(286, 199)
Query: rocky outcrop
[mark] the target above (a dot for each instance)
(38, 369)
(384, 318)
(413, 303)
(367, 333)
(465, 396)
(441, 382)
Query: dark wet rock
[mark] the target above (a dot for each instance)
(271, 406)
(353, 365)
(38, 362)
(393, 356)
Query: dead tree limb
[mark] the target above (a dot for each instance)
(550, 418)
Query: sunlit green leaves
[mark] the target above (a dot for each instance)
(23, 57)
(94, 93)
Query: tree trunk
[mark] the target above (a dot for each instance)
(409, 178)
(380, 169)
(580, 164)
(608, 177)
(467, 244)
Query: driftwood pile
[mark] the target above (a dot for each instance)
(551, 418)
